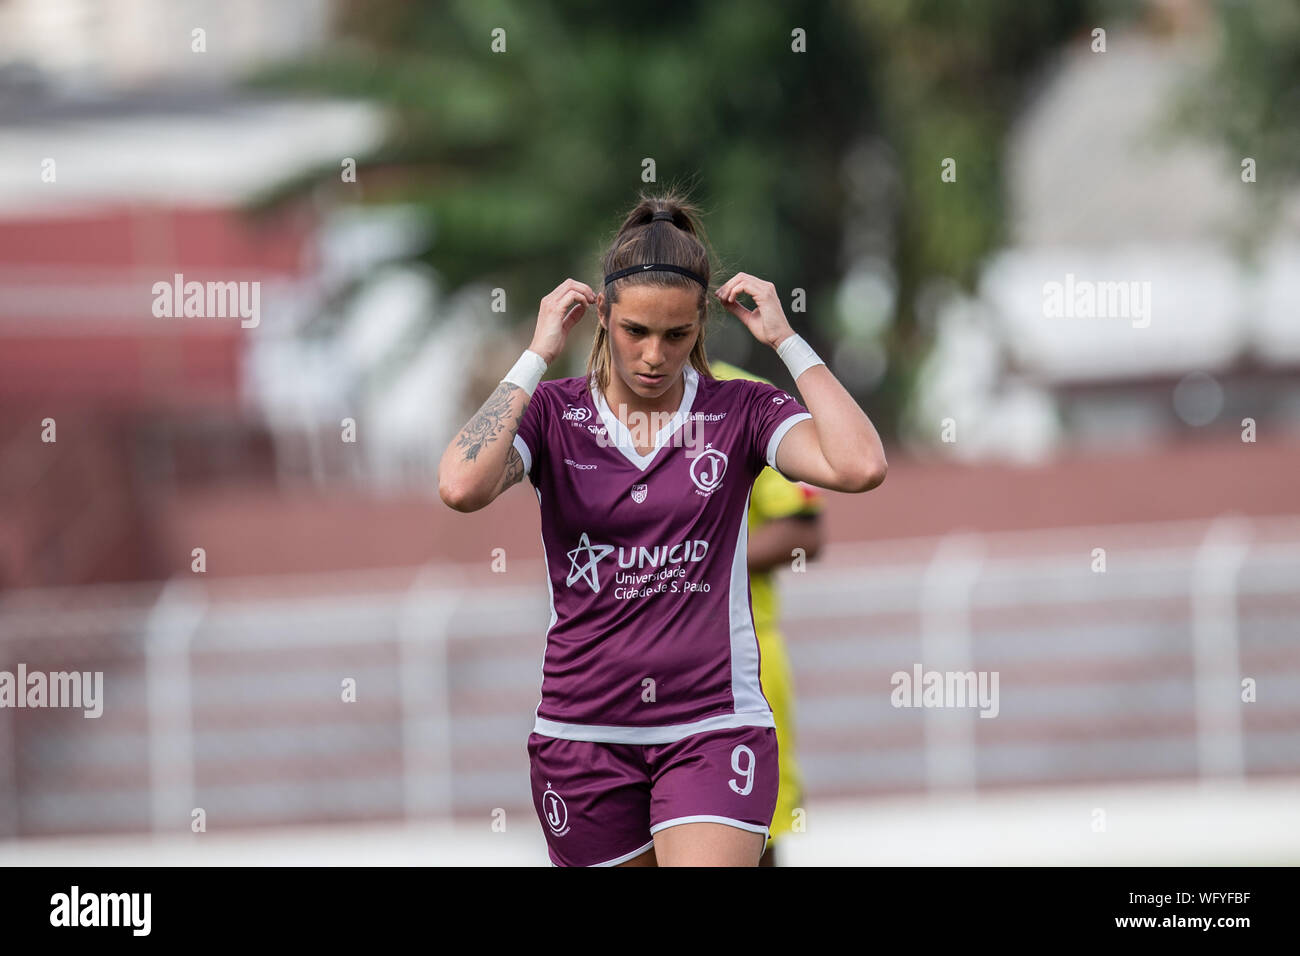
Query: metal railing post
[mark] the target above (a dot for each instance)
(1216, 657)
(427, 782)
(946, 588)
(169, 633)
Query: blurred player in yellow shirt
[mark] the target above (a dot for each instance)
(783, 515)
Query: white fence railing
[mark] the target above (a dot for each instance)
(1180, 660)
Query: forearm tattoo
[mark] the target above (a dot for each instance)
(514, 472)
(488, 422)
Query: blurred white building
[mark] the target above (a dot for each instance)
(97, 45)
(1108, 203)
(126, 119)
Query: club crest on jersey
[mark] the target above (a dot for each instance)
(707, 469)
(574, 414)
(557, 814)
(639, 492)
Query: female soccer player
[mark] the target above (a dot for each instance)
(653, 743)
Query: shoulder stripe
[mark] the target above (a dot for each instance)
(777, 435)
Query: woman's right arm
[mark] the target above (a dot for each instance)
(481, 462)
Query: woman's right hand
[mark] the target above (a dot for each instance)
(558, 314)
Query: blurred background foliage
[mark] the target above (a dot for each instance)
(1247, 99)
(525, 161)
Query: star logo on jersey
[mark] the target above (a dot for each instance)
(583, 560)
(707, 469)
(639, 492)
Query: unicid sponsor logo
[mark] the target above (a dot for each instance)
(584, 560)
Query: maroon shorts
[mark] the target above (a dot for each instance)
(601, 804)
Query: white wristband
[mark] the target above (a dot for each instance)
(797, 355)
(527, 372)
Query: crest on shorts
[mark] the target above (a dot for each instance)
(557, 814)
(639, 492)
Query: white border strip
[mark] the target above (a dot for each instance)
(669, 734)
(708, 818)
(774, 442)
(626, 856)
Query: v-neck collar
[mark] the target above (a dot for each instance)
(623, 438)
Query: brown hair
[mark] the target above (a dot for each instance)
(642, 239)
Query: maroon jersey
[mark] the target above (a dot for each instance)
(651, 636)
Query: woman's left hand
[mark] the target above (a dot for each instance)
(766, 321)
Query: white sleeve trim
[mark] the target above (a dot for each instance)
(777, 435)
(522, 447)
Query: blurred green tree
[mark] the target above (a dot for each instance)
(526, 159)
(1247, 99)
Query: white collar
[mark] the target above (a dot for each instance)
(623, 438)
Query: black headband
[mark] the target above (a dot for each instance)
(656, 266)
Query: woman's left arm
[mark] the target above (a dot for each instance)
(839, 448)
